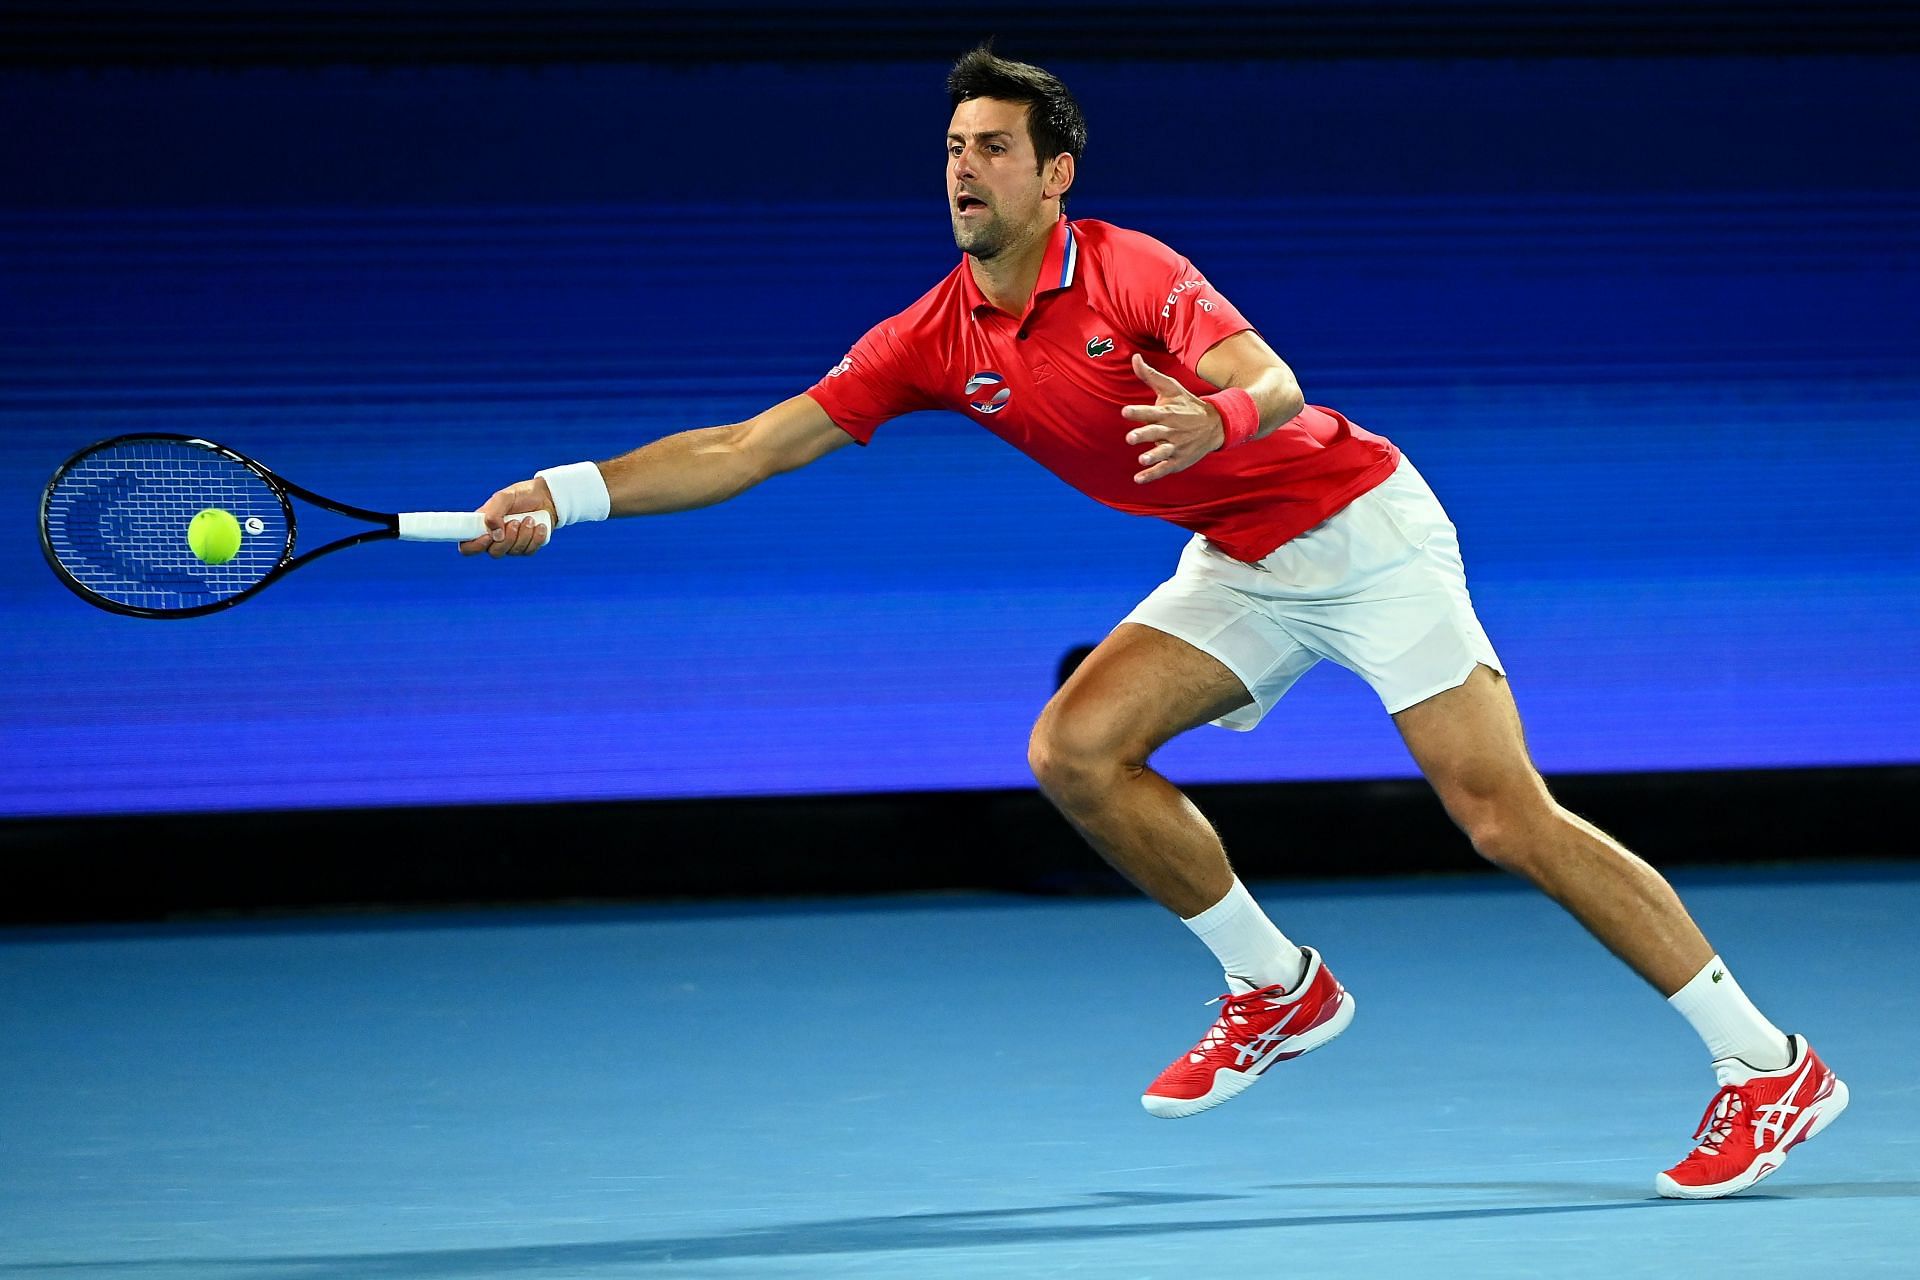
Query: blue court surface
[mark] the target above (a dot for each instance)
(930, 1086)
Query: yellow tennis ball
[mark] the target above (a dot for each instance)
(214, 535)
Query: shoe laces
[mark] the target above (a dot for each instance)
(1234, 1010)
(1716, 1126)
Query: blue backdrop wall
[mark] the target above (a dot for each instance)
(1648, 326)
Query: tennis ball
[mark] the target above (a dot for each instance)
(214, 535)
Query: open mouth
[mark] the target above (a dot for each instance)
(965, 203)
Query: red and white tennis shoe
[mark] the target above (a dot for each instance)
(1751, 1124)
(1255, 1029)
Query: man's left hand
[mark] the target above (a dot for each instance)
(1180, 429)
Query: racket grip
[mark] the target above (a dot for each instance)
(456, 526)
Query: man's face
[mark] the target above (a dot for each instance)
(994, 187)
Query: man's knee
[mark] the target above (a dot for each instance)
(1077, 755)
(1500, 840)
(1509, 825)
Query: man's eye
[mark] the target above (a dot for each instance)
(996, 148)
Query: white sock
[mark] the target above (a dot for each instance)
(1246, 943)
(1720, 1011)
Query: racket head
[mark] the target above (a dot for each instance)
(114, 517)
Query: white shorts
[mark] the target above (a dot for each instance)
(1378, 588)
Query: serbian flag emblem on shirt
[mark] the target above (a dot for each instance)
(988, 392)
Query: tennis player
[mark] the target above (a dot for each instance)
(1112, 361)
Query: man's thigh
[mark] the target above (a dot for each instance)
(1142, 686)
(1469, 743)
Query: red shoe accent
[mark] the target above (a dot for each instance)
(1255, 1029)
(1751, 1124)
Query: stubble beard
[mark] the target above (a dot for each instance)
(983, 241)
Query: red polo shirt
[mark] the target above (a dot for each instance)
(1052, 382)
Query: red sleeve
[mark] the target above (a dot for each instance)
(876, 381)
(1167, 302)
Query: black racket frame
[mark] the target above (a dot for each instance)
(279, 486)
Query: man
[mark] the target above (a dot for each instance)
(1312, 539)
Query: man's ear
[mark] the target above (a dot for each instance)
(1059, 177)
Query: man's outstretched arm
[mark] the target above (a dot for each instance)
(679, 472)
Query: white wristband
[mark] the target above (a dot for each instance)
(579, 493)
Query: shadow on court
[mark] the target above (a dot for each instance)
(897, 1233)
(1609, 1191)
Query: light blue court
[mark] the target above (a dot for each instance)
(930, 1087)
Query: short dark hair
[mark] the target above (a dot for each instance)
(1054, 121)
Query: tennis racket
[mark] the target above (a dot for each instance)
(114, 519)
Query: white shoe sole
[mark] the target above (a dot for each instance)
(1228, 1084)
(1812, 1121)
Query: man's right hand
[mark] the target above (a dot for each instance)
(506, 534)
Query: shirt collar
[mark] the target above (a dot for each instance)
(1059, 267)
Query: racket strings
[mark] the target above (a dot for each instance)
(116, 519)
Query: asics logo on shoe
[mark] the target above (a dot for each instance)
(1770, 1121)
(1268, 1039)
(1769, 1130)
